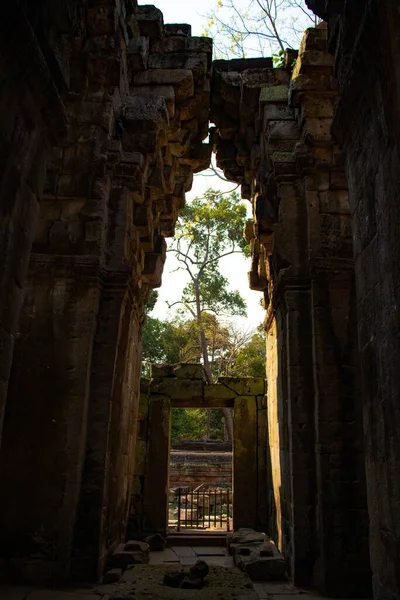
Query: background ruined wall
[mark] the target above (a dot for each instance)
(363, 37)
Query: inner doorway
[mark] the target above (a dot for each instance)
(200, 472)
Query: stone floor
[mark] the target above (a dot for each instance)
(226, 581)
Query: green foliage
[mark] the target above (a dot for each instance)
(250, 361)
(191, 424)
(210, 228)
(279, 59)
(151, 301)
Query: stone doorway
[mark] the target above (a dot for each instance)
(200, 474)
(184, 386)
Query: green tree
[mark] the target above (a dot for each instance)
(250, 360)
(209, 229)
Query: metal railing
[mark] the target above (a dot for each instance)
(208, 509)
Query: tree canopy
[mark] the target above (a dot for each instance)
(243, 28)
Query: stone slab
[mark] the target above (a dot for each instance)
(183, 551)
(209, 551)
(165, 556)
(219, 561)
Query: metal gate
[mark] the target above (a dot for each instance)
(207, 509)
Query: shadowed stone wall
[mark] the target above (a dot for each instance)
(273, 137)
(364, 41)
(133, 97)
(31, 117)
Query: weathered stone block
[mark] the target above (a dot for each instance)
(138, 53)
(140, 457)
(112, 576)
(178, 389)
(189, 371)
(336, 202)
(244, 386)
(278, 130)
(121, 558)
(218, 391)
(197, 63)
(274, 93)
(179, 43)
(165, 91)
(158, 371)
(178, 29)
(181, 79)
(150, 20)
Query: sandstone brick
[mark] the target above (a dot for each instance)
(178, 389)
(150, 20)
(274, 93)
(138, 53)
(189, 371)
(197, 63)
(181, 79)
(244, 386)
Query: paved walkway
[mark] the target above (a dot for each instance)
(174, 556)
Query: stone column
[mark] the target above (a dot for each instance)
(45, 427)
(156, 497)
(245, 475)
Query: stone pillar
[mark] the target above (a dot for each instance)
(47, 410)
(156, 497)
(245, 475)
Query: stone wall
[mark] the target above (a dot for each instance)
(364, 41)
(184, 386)
(133, 98)
(193, 469)
(32, 116)
(273, 137)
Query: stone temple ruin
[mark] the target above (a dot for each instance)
(104, 113)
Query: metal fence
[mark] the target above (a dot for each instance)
(209, 509)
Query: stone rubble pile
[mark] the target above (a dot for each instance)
(256, 555)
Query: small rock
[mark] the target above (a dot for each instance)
(174, 578)
(123, 558)
(136, 546)
(192, 583)
(156, 542)
(112, 576)
(199, 569)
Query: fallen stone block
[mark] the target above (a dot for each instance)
(136, 546)
(156, 542)
(259, 568)
(112, 576)
(122, 558)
